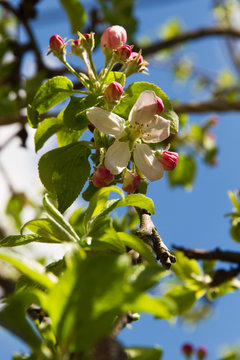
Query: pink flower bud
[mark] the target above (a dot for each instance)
(201, 353)
(56, 43)
(213, 120)
(131, 181)
(168, 159)
(76, 47)
(87, 36)
(187, 349)
(102, 177)
(113, 91)
(113, 37)
(160, 106)
(140, 61)
(124, 52)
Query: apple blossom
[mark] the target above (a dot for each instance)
(145, 126)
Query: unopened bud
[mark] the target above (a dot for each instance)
(113, 91)
(87, 36)
(201, 353)
(113, 37)
(56, 43)
(136, 64)
(168, 159)
(102, 177)
(160, 106)
(131, 181)
(123, 53)
(187, 349)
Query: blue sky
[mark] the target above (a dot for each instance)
(196, 218)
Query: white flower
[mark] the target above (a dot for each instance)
(145, 125)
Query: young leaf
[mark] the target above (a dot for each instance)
(138, 200)
(74, 116)
(98, 201)
(185, 297)
(51, 93)
(87, 299)
(76, 14)
(184, 173)
(134, 90)
(58, 218)
(34, 270)
(143, 353)
(49, 229)
(185, 269)
(115, 76)
(17, 240)
(18, 324)
(134, 242)
(64, 172)
(45, 130)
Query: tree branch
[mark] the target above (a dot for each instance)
(190, 35)
(217, 254)
(209, 106)
(149, 234)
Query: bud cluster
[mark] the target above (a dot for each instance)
(188, 350)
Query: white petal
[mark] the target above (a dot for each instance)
(106, 121)
(117, 157)
(144, 109)
(147, 162)
(159, 130)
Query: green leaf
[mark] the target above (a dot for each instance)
(146, 276)
(116, 76)
(184, 173)
(48, 229)
(33, 116)
(104, 236)
(185, 269)
(66, 136)
(64, 172)
(18, 324)
(86, 300)
(74, 116)
(134, 242)
(45, 130)
(134, 90)
(138, 200)
(143, 353)
(98, 201)
(58, 218)
(233, 197)
(17, 240)
(184, 297)
(51, 93)
(76, 14)
(34, 270)
(15, 206)
(157, 306)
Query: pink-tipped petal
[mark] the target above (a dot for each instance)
(117, 157)
(144, 109)
(107, 122)
(147, 162)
